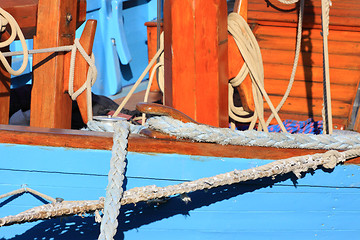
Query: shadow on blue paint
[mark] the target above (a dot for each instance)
(133, 217)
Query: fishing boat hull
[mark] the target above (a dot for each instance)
(320, 205)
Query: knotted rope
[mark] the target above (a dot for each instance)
(204, 133)
(15, 30)
(114, 189)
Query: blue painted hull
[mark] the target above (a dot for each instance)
(321, 205)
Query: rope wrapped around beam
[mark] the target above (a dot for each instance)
(224, 136)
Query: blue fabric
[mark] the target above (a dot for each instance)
(309, 126)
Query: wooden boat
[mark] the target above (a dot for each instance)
(73, 165)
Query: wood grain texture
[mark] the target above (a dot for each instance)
(275, 29)
(25, 13)
(152, 42)
(198, 59)
(137, 143)
(342, 13)
(50, 105)
(5, 82)
(158, 109)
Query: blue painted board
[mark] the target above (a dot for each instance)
(322, 205)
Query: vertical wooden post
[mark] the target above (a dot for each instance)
(196, 59)
(5, 82)
(56, 25)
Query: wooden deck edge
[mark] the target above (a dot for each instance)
(103, 141)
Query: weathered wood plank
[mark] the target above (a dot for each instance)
(137, 143)
(341, 15)
(311, 90)
(5, 82)
(310, 106)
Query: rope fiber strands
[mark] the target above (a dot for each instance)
(204, 133)
(116, 175)
(296, 165)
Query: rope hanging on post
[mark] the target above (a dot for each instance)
(5, 17)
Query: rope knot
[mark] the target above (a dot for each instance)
(332, 158)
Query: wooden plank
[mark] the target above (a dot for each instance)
(349, 15)
(25, 13)
(50, 105)
(5, 82)
(311, 41)
(310, 33)
(152, 42)
(96, 140)
(199, 66)
(310, 90)
(311, 59)
(310, 106)
(348, 77)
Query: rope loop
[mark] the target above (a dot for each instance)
(15, 31)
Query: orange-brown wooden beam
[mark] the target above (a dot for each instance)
(25, 13)
(5, 82)
(56, 25)
(196, 59)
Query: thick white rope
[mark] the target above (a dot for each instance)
(204, 133)
(116, 175)
(247, 44)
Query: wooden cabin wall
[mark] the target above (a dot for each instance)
(274, 25)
